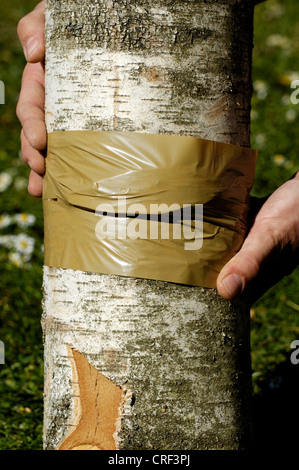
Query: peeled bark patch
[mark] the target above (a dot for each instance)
(97, 404)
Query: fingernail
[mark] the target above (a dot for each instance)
(233, 284)
(31, 46)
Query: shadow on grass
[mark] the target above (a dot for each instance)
(276, 411)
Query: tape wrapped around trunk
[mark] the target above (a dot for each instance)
(164, 207)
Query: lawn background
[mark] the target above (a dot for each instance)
(274, 318)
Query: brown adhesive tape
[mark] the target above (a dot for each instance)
(170, 208)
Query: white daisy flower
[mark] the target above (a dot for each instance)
(277, 40)
(6, 240)
(261, 89)
(260, 140)
(24, 244)
(5, 220)
(280, 160)
(288, 77)
(24, 220)
(291, 115)
(285, 100)
(5, 181)
(16, 259)
(274, 10)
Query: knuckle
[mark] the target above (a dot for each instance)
(25, 156)
(252, 264)
(20, 109)
(21, 27)
(34, 190)
(25, 151)
(31, 189)
(35, 141)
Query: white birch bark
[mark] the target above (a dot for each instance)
(179, 356)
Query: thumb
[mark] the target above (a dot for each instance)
(239, 273)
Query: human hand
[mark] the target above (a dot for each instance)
(30, 107)
(270, 250)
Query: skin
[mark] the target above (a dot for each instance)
(30, 107)
(271, 248)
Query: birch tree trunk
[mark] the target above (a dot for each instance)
(135, 363)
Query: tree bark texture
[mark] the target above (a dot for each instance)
(135, 363)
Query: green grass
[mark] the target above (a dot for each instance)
(275, 134)
(21, 378)
(274, 317)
